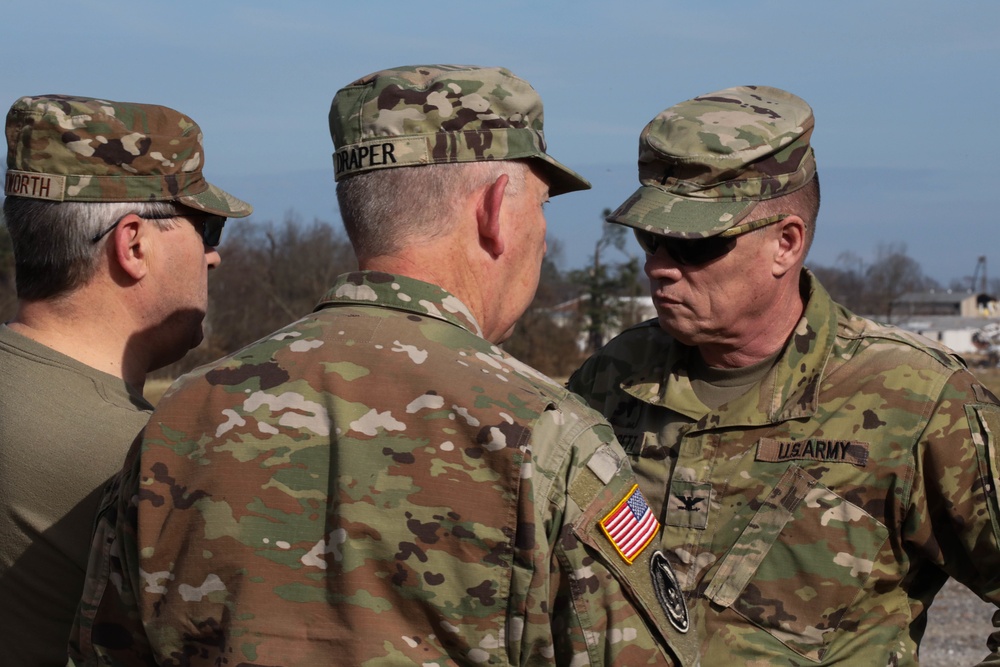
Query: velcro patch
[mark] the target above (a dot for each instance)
(813, 449)
(605, 464)
(631, 525)
(668, 592)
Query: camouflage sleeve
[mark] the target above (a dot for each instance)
(595, 591)
(952, 518)
(215, 545)
(107, 629)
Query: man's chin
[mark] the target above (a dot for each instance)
(196, 333)
(181, 345)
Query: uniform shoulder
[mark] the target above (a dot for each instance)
(873, 336)
(566, 410)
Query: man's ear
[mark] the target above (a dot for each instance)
(791, 245)
(488, 216)
(131, 243)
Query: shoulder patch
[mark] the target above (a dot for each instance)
(631, 525)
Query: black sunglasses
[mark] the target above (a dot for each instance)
(208, 225)
(697, 252)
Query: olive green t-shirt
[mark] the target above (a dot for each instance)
(64, 430)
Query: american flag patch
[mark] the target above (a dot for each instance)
(631, 525)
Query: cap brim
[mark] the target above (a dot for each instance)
(652, 209)
(218, 202)
(562, 179)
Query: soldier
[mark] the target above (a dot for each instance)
(114, 231)
(818, 475)
(378, 482)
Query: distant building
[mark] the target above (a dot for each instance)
(953, 318)
(955, 332)
(946, 302)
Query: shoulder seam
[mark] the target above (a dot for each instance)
(944, 356)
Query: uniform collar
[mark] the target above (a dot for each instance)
(374, 288)
(790, 390)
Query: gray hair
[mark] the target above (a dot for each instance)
(54, 251)
(804, 203)
(386, 210)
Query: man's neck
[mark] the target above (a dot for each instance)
(765, 337)
(437, 264)
(82, 331)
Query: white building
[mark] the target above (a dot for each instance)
(955, 319)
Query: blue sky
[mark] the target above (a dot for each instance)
(906, 94)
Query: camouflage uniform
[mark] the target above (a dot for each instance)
(377, 483)
(373, 484)
(812, 519)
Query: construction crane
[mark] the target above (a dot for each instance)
(981, 262)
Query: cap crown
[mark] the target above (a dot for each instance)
(432, 114)
(749, 142)
(65, 148)
(706, 162)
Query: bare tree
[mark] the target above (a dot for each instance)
(871, 289)
(603, 283)
(845, 281)
(892, 275)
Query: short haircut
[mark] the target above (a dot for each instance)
(54, 251)
(804, 203)
(386, 210)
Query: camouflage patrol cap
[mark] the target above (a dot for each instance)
(705, 163)
(62, 148)
(431, 114)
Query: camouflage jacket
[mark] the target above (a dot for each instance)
(813, 519)
(374, 484)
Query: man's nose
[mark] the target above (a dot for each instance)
(661, 266)
(213, 257)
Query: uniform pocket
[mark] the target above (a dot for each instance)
(800, 563)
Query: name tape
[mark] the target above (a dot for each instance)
(35, 186)
(386, 152)
(813, 449)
